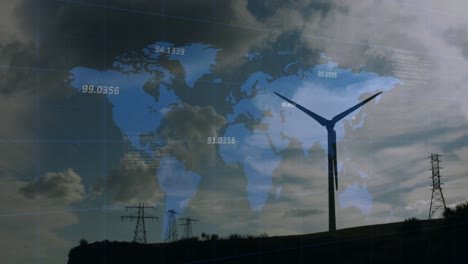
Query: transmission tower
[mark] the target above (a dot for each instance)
(171, 231)
(437, 200)
(140, 229)
(187, 224)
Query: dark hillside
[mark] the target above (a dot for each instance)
(414, 241)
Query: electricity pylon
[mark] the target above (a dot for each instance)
(187, 224)
(140, 228)
(437, 200)
(171, 231)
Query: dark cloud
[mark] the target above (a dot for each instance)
(458, 37)
(265, 9)
(19, 229)
(75, 32)
(297, 173)
(132, 181)
(96, 189)
(62, 186)
(17, 104)
(16, 53)
(186, 129)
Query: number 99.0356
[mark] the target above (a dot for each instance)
(91, 89)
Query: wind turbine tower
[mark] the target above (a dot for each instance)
(332, 154)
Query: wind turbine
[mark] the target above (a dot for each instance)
(332, 154)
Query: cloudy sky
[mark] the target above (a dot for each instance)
(66, 172)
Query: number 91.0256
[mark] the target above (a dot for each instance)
(91, 89)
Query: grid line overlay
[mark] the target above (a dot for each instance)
(37, 3)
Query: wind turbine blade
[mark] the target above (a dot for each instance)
(322, 121)
(340, 116)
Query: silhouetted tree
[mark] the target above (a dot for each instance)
(234, 236)
(83, 242)
(248, 236)
(458, 214)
